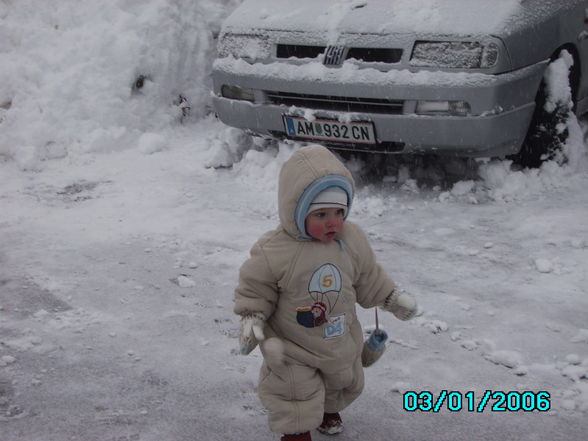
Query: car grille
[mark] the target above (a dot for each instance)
(368, 55)
(299, 51)
(336, 103)
(375, 55)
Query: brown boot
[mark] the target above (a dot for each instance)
(297, 437)
(331, 425)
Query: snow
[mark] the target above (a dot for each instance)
(333, 18)
(53, 55)
(581, 336)
(351, 73)
(559, 92)
(123, 223)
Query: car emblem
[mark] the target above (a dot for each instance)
(333, 55)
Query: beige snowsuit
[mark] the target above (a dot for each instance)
(307, 290)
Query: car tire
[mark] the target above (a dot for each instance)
(545, 136)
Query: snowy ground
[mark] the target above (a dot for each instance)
(119, 252)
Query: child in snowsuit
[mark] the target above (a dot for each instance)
(297, 294)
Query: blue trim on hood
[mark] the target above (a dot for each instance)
(312, 191)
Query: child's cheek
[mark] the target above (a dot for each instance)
(315, 230)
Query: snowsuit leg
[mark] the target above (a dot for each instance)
(342, 388)
(294, 396)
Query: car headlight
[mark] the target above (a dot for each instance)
(454, 54)
(449, 108)
(237, 93)
(248, 47)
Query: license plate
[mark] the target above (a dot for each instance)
(359, 132)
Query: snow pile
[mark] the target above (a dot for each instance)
(496, 180)
(228, 148)
(69, 84)
(260, 170)
(505, 184)
(560, 93)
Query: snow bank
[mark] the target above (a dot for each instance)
(70, 84)
(502, 182)
(505, 184)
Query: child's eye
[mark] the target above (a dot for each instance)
(340, 212)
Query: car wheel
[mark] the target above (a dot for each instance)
(548, 128)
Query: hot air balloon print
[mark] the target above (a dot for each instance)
(324, 288)
(325, 285)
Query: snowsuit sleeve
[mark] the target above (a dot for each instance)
(258, 288)
(372, 284)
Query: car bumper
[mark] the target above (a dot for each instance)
(501, 105)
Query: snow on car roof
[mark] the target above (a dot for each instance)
(465, 17)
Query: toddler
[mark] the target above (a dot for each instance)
(297, 294)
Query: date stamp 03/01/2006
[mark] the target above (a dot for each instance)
(493, 401)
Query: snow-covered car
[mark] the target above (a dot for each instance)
(402, 76)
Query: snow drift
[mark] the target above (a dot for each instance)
(94, 76)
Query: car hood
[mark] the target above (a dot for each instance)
(333, 18)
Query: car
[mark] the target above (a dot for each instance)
(454, 77)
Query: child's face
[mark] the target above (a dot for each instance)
(325, 223)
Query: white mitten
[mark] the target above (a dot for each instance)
(401, 304)
(251, 331)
